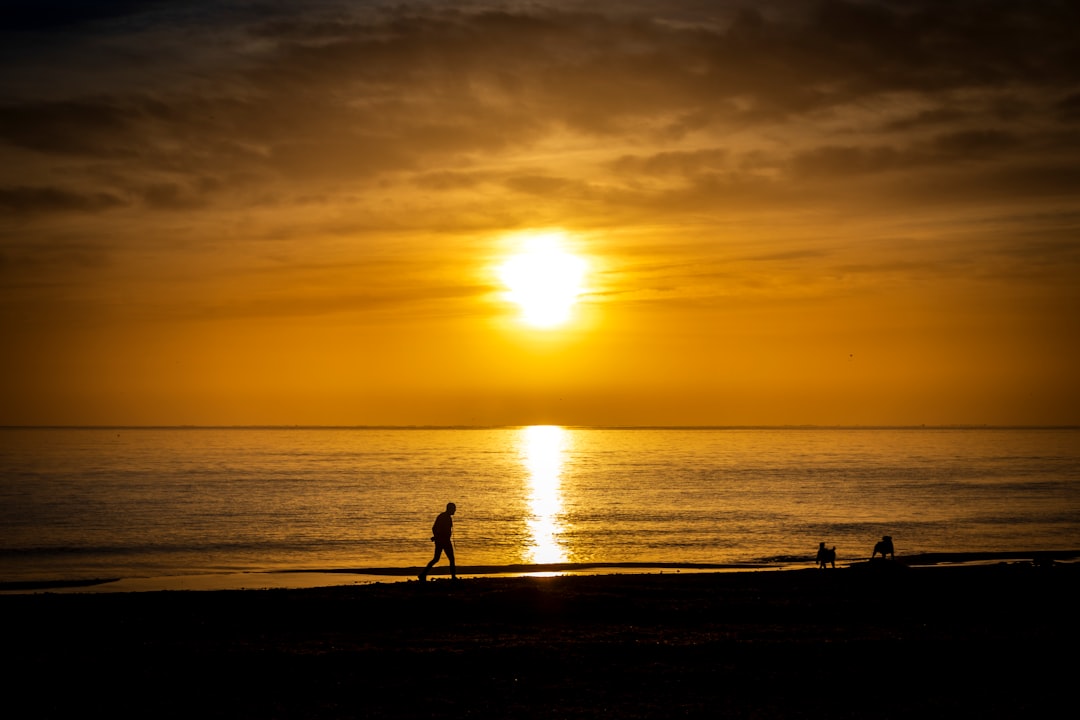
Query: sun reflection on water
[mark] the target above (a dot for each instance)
(543, 449)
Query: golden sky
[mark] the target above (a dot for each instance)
(296, 213)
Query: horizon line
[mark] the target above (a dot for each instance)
(800, 426)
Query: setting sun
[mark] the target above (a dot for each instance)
(544, 280)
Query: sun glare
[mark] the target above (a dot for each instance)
(544, 449)
(544, 280)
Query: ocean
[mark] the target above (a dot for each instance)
(256, 506)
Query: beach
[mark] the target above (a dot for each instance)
(878, 639)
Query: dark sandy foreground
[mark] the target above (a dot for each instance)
(870, 641)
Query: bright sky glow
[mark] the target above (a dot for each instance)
(544, 280)
(655, 213)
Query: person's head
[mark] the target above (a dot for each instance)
(451, 508)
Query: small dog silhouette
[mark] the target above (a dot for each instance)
(884, 546)
(826, 556)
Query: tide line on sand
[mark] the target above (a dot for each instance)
(534, 568)
(917, 560)
(316, 577)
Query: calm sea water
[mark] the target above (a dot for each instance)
(92, 503)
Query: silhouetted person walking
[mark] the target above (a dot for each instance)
(440, 535)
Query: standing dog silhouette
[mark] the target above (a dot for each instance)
(884, 546)
(826, 556)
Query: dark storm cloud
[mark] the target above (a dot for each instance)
(975, 143)
(928, 118)
(172, 196)
(35, 268)
(98, 127)
(944, 150)
(39, 15)
(25, 201)
(336, 96)
(591, 71)
(1070, 108)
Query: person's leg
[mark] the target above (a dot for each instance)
(438, 554)
(450, 557)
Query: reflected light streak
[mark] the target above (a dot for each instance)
(543, 447)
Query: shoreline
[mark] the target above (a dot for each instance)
(878, 640)
(302, 578)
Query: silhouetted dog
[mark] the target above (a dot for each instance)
(884, 546)
(826, 556)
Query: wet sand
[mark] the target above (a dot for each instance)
(297, 579)
(874, 640)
